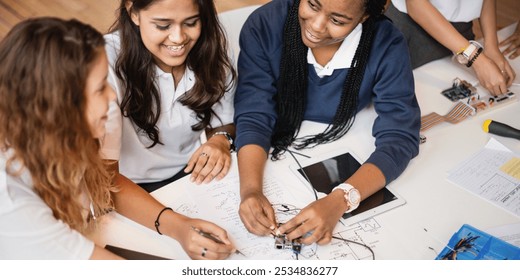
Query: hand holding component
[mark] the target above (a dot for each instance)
(257, 214)
(316, 222)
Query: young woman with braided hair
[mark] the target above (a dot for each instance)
(298, 60)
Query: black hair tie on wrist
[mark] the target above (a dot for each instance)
(157, 224)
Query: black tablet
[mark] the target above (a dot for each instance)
(323, 173)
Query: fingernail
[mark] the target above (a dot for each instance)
(272, 227)
(277, 232)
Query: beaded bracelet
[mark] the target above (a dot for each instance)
(157, 224)
(479, 50)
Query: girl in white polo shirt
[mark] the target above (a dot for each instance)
(174, 81)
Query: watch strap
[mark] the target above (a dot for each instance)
(464, 55)
(469, 50)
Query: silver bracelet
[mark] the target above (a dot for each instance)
(229, 138)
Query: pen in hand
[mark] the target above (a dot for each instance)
(213, 238)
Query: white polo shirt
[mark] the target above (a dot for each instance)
(123, 143)
(28, 229)
(343, 57)
(452, 10)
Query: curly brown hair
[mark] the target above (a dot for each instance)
(43, 125)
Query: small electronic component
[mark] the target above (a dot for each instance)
(488, 102)
(281, 242)
(460, 89)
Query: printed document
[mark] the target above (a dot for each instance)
(493, 174)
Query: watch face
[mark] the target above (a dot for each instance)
(354, 196)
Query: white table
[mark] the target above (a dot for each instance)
(435, 208)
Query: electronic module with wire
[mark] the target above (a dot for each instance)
(469, 103)
(489, 102)
(281, 242)
(460, 89)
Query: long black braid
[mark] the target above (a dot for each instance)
(292, 85)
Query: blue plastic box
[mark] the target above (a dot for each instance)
(470, 243)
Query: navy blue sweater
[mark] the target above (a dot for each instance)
(388, 83)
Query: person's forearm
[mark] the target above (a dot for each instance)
(368, 179)
(435, 24)
(251, 164)
(130, 196)
(138, 205)
(488, 24)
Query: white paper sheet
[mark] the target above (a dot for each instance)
(483, 174)
(509, 233)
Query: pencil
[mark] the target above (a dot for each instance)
(214, 238)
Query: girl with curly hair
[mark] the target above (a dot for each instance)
(54, 184)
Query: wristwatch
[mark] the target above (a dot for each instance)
(351, 195)
(464, 57)
(229, 138)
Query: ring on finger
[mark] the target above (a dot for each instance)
(203, 155)
(204, 250)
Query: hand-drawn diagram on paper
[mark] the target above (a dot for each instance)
(221, 204)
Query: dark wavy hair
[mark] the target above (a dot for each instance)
(292, 84)
(45, 65)
(136, 68)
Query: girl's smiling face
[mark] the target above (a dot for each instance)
(328, 22)
(169, 30)
(98, 94)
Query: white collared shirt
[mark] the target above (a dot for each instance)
(342, 59)
(452, 10)
(28, 228)
(122, 142)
